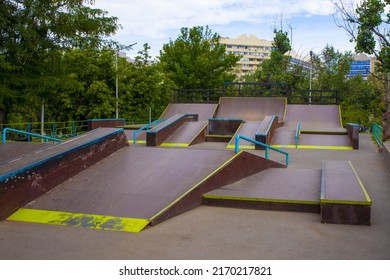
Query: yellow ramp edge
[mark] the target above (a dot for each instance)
(100, 222)
(174, 144)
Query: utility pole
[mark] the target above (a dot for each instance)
(311, 69)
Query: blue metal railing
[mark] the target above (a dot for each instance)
(47, 139)
(376, 131)
(60, 130)
(297, 133)
(267, 147)
(145, 127)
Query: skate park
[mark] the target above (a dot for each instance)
(196, 158)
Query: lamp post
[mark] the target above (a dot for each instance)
(116, 87)
(311, 69)
(129, 47)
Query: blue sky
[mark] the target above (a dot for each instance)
(157, 21)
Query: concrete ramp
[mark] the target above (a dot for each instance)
(189, 133)
(320, 128)
(316, 118)
(273, 189)
(251, 108)
(204, 111)
(247, 129)
(140, 186)
(27, 176)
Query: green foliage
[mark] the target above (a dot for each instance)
(34, 36)
(196, 59)
(368, 27)
(278, 68)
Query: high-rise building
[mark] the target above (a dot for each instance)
(362, 65)
(252, 50)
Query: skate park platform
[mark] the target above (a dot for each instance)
(25, 176)
(320, 126)
(129, 188)
(143, 186)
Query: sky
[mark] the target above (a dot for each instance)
(310, 23)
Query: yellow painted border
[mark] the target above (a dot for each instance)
(137, 142)
(166, 109)
(243, 147)
(195, 186)
(174, 145)
(79, 220)
(206, 196)
(368, 201)
(339, 148)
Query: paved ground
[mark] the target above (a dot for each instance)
(222, 233)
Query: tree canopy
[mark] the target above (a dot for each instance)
(196, 59)
(368, 26)
(34, 36)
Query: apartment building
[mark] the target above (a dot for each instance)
(252, 50)
(362, 65)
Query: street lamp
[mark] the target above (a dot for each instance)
(116, 77)
(311, 68)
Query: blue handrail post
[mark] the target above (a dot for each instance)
(73, 128)
(237, 144)
(29, 131)
(297, 133)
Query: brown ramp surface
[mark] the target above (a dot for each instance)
(251, 108)
(314, 117)
(131, 187)
(272, 189)
(11, 150)
(204, 111)
(247, 129)
(187, 134)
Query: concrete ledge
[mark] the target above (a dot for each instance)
(161, 132)
(344, 199)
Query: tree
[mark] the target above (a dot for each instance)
(278, 69)
(144, 87)
(34, 35)
(367, 25)
(196, 59)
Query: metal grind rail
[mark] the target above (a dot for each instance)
(267, 147)
(145, 127)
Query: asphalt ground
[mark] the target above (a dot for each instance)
(208, 233)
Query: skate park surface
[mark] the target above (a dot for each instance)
(204, 232)
(225, 233)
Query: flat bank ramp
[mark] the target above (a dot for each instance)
(27, 176)
(251, 108)
(204, 111)
(139, 186)
(247, 129)
(314, 117)
(187, 134)
(273, 189)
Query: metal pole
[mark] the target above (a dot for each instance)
(116, 86)
(311, 69)
(43, 118)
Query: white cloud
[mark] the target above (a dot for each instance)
(156, 21)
